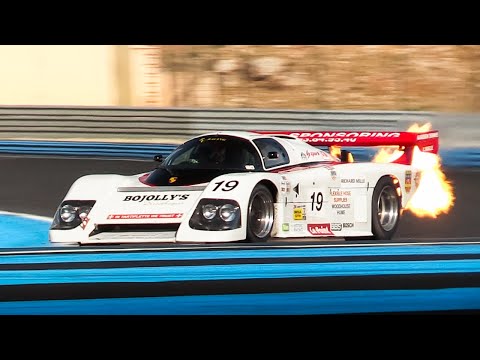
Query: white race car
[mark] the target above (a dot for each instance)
(248, 186)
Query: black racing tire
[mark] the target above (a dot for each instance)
(386, 209)
(260, 214)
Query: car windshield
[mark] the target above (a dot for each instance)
(215, 152)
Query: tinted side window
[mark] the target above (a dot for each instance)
(267, 146)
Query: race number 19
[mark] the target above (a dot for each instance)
(229, 185)
(317, 201)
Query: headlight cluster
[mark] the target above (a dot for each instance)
(71, 213)
(216, 215)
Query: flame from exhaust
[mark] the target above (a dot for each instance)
(336, 151)
(387, 154)
(434, 194)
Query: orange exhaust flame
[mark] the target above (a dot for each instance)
(387, 154)
(434, 194)
(336, 151)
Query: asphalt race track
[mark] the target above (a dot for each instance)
(36, 185)
(432, 265)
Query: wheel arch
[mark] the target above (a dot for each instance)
(271, 187)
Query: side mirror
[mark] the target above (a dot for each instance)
(158, 158)
(272, 155)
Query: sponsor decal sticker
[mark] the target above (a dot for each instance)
(84, 223)
(172, 179)
(299, 212)
(298, 228)
(347, 225)
(342, 137)
(427, 136)
(285, 227)
(353, 181)
(319, 229)
(349, 134)
(333, 174)
(336, 227)
(164, 197)
(212, 139)
(313, 154)
(144, 216)
(416, 179)
(340, 192)
(341, 200)
(408, 181)
(285, 186)
(340, 206)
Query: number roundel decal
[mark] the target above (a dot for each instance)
(225, 186)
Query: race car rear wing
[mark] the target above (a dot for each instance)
(426, 141)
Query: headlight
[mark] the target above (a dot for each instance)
(228, 212)
(216, 215)
(209, 211)
(71, 213)
(67, 213)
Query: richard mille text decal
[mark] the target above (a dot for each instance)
(352, 181)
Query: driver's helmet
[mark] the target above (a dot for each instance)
(217, 153)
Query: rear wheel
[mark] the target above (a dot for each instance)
(260, 215)
(386, 205)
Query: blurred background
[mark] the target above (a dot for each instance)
(437, 78)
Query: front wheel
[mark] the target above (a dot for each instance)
(386, 205)
(260, 214)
